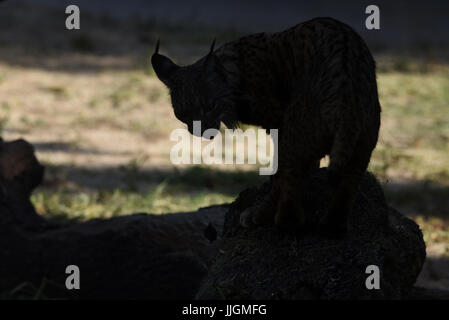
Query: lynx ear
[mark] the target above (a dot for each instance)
(163, 66)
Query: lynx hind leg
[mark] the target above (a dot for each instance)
(345, 174)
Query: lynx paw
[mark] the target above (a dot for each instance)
(256, 216)
(289, 217)
(246, 218)
(332, 224)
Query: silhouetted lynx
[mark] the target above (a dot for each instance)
(315, 82)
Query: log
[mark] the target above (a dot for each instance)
(266, 263)
(135, 256)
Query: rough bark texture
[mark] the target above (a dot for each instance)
(264, 263)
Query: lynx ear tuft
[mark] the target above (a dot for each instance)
(212, 48)
(163, 66)
(211, 61)
(211, 52)
(157, 46)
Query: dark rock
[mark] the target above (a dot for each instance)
(265, 263)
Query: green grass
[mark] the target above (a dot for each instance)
(163, 192)
(64, 205)
(414, 136)
(5, 112)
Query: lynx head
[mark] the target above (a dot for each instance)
(199, 91)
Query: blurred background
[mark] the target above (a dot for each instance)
(100, 120)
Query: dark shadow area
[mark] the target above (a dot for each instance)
(435, 274)
(417, 197)
(128, 178)
(104, 42)
(120, 37)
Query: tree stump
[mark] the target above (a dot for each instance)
(265, 263)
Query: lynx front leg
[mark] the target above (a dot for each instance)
(290, 212)
(281, 205)
(299, 153)
(344, 176)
